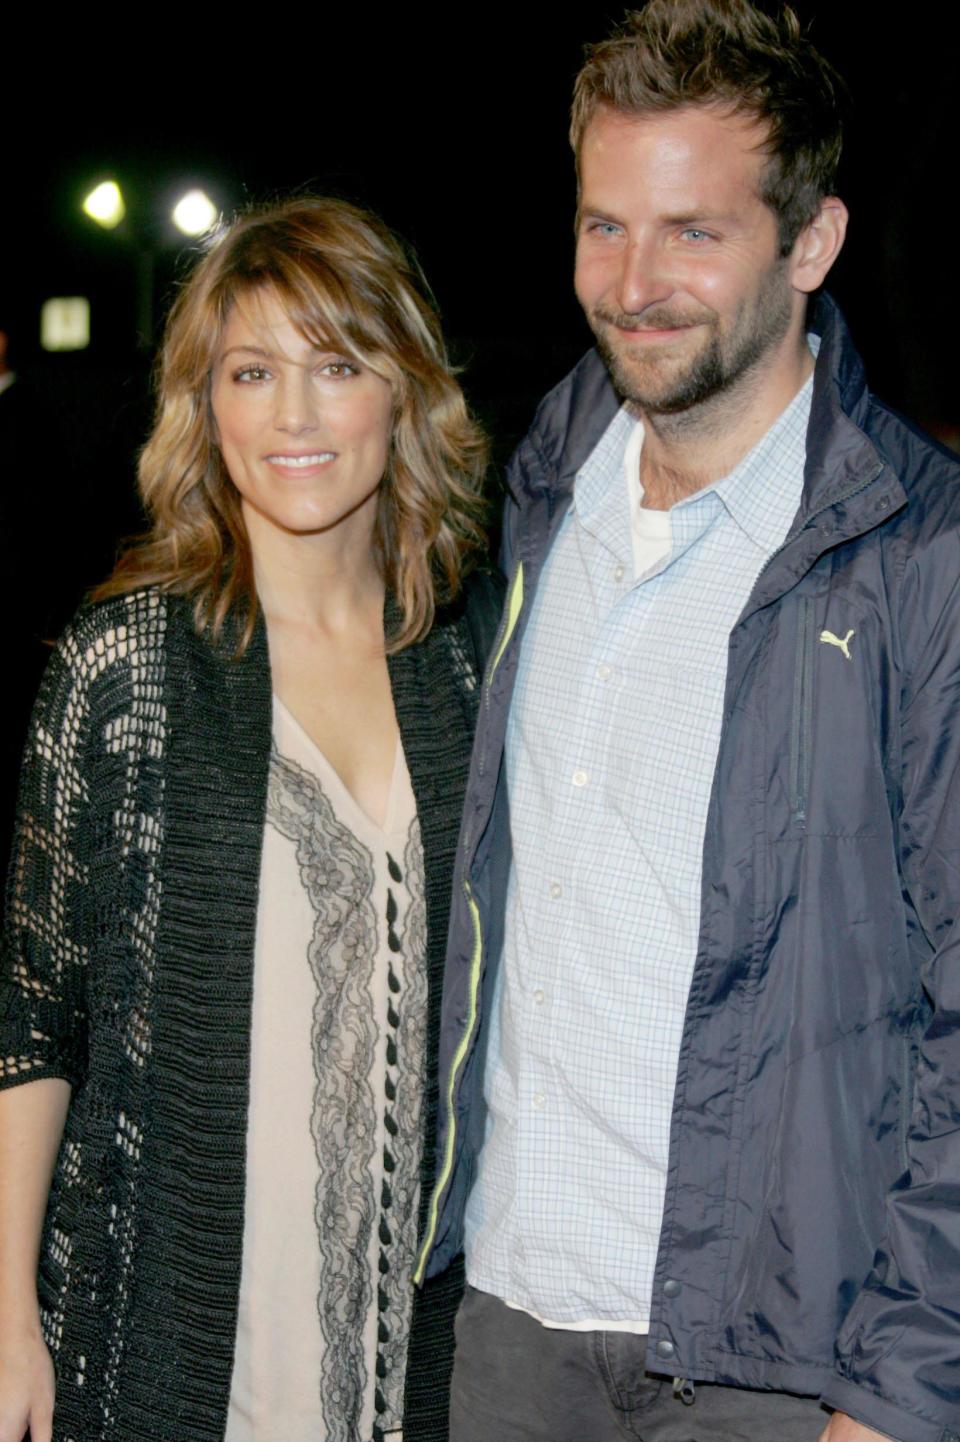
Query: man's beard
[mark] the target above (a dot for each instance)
(656, 384)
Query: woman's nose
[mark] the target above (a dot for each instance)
(296, 404)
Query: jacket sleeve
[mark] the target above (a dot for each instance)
(899, 1350)
(43, 953)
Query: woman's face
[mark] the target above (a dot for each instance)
(304, 432)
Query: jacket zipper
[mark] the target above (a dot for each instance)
(802, 719)
(458, 1060)
(906, 1101)
(512, 611)
(511, 614)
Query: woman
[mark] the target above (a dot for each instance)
(227, 906)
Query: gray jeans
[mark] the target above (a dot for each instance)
(517, 1381)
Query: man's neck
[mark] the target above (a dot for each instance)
(685, 452)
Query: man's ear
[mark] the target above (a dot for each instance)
(818, 245)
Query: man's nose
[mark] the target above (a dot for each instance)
(643, 277)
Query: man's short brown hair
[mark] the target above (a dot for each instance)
(727, 53)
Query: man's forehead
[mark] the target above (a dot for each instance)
(695, 152)
(689, 130)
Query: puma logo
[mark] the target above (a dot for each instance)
(829, 639)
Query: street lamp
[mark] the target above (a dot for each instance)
(147, 234)
(105, 204)
(195, 213)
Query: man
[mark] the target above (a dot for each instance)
(704, 936)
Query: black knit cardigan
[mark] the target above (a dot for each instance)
(127, 969)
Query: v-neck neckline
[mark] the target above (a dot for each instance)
(346, 803)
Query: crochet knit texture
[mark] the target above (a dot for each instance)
(127, 970)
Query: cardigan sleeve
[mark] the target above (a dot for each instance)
(44, 951)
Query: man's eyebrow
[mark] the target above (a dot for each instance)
(686, 217)
(696, 217)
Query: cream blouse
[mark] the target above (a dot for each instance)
(333, 1141)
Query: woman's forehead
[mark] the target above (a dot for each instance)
(264, 311)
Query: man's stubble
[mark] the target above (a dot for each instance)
(653, 386)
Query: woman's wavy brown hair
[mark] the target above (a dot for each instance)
(347, 283)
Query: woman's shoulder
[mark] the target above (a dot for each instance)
(139, 613)
(104, 678)
(107, 634)
(111, 648)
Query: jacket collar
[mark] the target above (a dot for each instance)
(841, 458)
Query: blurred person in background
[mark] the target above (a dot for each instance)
(25, 584)
(228, 897)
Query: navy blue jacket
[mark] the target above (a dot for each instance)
(811, 1234)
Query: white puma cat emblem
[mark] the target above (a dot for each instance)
(830, 639)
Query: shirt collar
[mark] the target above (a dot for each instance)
(763, 491)
(602, 469)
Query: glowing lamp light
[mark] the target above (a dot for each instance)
(65, 323)
(194, 213)
(105, 204)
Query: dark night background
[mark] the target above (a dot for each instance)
(453, 125)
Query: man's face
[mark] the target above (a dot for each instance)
(678, 264)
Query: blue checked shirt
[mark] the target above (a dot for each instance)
(611, 746)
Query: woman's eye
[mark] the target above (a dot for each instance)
(251, 373)
(339, 369)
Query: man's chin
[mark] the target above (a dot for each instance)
(646, 387)
(658, 380)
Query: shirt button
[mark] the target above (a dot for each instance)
(618, 573)
(604, 672)
(556, 890)
(665, 1348)
(579, 778)
(539, 1101)
(671, 1288)
(539, 996)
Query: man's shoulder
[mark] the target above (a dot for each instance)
(928, 526)
(927, 471)
(922, 463)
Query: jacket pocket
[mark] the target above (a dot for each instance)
(801, 727)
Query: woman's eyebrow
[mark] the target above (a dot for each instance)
(248, 350)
